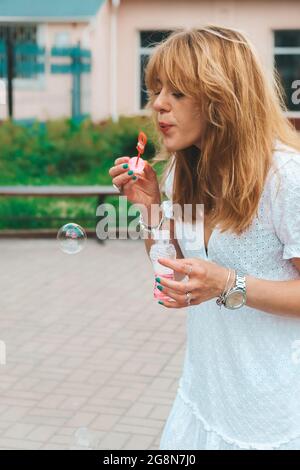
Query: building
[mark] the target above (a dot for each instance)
(60, 24)
(121, 34)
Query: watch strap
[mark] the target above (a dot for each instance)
(239, 284)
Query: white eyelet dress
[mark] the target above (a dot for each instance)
(240, 383)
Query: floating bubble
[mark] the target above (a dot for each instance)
(71, 238)
(84, 439)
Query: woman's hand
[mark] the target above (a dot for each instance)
(142, 190)
(206, 280)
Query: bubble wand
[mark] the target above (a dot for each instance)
(142, 140)
(136, 163)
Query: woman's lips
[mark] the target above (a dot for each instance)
(165, 129)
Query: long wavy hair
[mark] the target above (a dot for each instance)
(244, 114)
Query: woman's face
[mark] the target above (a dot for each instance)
(182, 113)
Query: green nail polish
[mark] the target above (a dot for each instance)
(125, 165)
(130, 172)
(160, 302)
(160, 287)
(134, 178)
(157, 279)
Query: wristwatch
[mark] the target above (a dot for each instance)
(236, 296)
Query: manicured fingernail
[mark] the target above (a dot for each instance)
(125, 165)
(160, 302)
(157, 279)
(160, 287)
(130, 172)
(134, 178)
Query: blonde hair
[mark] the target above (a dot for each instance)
(219, 68)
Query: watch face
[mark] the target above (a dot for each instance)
(235, 300)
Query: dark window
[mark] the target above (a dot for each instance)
(151, 38)
(27, 55)
(287, 38)
(148, 40)
(143, 93)
(287, 62)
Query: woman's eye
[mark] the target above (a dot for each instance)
(178, 95)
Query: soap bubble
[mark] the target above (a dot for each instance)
(71, 238)
(84, 439)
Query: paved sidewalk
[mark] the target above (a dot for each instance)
(86, 346)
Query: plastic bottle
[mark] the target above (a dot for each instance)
(162, 248)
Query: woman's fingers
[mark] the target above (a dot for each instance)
(179, 298)
(178, 286)
(119, 169)
(178, 295)
(124, 178)
(175, 300)
(120, 160)
(122, 168)
(175, 304)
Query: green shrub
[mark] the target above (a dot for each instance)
(63, 152)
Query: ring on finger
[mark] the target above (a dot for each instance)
(189, 269)
(188, 296)
(119, 188)
(186, 277)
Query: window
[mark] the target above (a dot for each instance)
(148, 40)
(287, 62)
(28, 56)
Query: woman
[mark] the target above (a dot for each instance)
(229, 147)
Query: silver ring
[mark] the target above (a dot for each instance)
(188, 297)
(190, 269)
(119, 188)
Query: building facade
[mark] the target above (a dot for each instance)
(121, 34)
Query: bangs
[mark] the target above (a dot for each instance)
(173, 62)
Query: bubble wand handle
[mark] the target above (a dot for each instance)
(142, 140)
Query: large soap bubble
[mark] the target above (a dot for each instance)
(71, 238)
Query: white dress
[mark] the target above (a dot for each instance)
(240, 383)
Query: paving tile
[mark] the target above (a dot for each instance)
(137, 442)
(81, 352)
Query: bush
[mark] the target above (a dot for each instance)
(63, 152)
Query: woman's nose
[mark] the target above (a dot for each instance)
(161, 102)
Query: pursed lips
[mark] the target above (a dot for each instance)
(165, 127)
(165, 124)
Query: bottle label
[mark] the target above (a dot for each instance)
(159, 294)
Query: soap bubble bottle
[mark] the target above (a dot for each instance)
(137, 164)
(162, 248)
